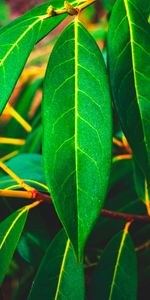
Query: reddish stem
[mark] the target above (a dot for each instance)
(107, 213)
(127, 217)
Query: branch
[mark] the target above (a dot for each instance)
(36, 195)
(122, 157)
(68, 8)
(12, 141)
(127, 217)
(122, 144)
(13, 113)
(15, 177)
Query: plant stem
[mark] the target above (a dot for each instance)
(9, 155)
(78, 9)
(121, 157)
(15, 177)
(34, 204)
(35, 194)
(147, 200)
(86, 4)
(10, 110)
(118, 142)
(17, 194)
(12, 141)
(127, 217)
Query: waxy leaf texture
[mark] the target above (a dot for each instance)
(77, 132)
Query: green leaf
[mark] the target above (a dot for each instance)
(59, 276)
(15, 47)
(10, 232)
(33, 142)
(17, 41)
(108, 4)
(139, 181)
(77, 132)
(145, 6)
(129, 65)
(116, 274)
(28, 167)
(35, 239)
(23, 105)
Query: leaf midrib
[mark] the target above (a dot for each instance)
(117, 263)
(62, 269)
(76, 112)
(12, 226)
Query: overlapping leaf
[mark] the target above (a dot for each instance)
(35, 239)
(116, 275)
(59, 276)
(10, 231)
(17, 41)
(129, 65)
(28, 167)
(77, 132)
(145, 6)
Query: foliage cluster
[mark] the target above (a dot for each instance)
(75, 167)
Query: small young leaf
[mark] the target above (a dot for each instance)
(59, 276)
(116, 274)
(77, 132)
(10, 232)
(129, 65)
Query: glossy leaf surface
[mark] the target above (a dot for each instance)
(116, 275)
(77, 132)
(59, 276)
(10, 232)
(129, 65)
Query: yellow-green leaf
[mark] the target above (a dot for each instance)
(10, 232)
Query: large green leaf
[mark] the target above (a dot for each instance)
(17, 41)
(116, 274)
(129, 65)
(10, 232)
(77, 132)
(59, 276)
